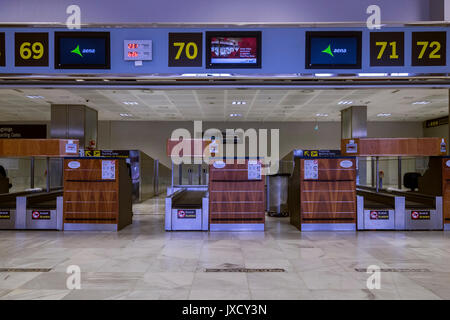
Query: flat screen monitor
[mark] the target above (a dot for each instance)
(82, 50)
(333, 50)
(233, 49)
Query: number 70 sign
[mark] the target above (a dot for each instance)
(185, 49)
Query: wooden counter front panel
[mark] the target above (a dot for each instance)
(331, 198)
(35, 147)
(88, 198)
(233, 198)
(446, 190)
(396, 147)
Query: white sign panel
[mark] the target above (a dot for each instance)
(137, 50)
(71, 147)
(311, 168)
(254, 171)
(108, 169)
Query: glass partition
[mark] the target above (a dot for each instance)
(391, 170)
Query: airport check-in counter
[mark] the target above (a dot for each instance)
(44, 211)
(31, 210)
(187, 209)
(187, 204)
(398, 210)
(322, 191)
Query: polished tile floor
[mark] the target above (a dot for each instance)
(144, 262)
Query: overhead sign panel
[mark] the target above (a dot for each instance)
(31, 49)
(82, 50)
(387, 49)
(333, 50)
(428, 48)
(233, 49)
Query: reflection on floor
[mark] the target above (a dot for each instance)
(144, 262)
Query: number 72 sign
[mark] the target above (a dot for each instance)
(185, 49)
(429, 48)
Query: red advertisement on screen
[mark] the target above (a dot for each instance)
(234, 50)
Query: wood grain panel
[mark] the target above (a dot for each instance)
(331, 169)
(233, 198)
(445, 189)
(395, 147)
(89, 199)
(331, 198)
(35, 147)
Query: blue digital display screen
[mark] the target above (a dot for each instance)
(333, 51)
(82, 51)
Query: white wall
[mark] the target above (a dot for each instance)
(151, 136)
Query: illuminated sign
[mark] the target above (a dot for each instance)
(428, 48)
(135, 50)
(387, 49)
(31, 49)
(333, 50)
(82, 50)
(185, 49)
(233, 49)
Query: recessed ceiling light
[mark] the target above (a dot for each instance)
(130, 103)
(421, 102)
(374, 74)
(345, 102)
(400, 74)
(126, 115)
(383, 115)
(323, 74)
(35, 97)
(235, 115)
(239, 102)
(321, 114)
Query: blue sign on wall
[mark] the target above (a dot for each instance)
(77, 50)
(284, 51)
(333, 50)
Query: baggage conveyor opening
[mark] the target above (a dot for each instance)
(187, 203)
(398, 210)
(31, 210)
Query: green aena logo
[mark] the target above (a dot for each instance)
(80, 52)
(331, 52)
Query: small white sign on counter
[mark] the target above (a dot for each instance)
(254, 170)
(108, 170)
(71, 147)
(311, 169)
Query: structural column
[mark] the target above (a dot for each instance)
(354, 125)
(72, 121)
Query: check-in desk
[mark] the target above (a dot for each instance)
(97, 194)
(322, 193)
(44, 211)
(8, 211)
(236, 196)
(31, 210)
(187, 210)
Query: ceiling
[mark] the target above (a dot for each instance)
(217, 105)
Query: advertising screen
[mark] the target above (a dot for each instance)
(233, 50)
(333, 50)
(82, 50)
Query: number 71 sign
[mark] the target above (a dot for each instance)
(185, 49)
